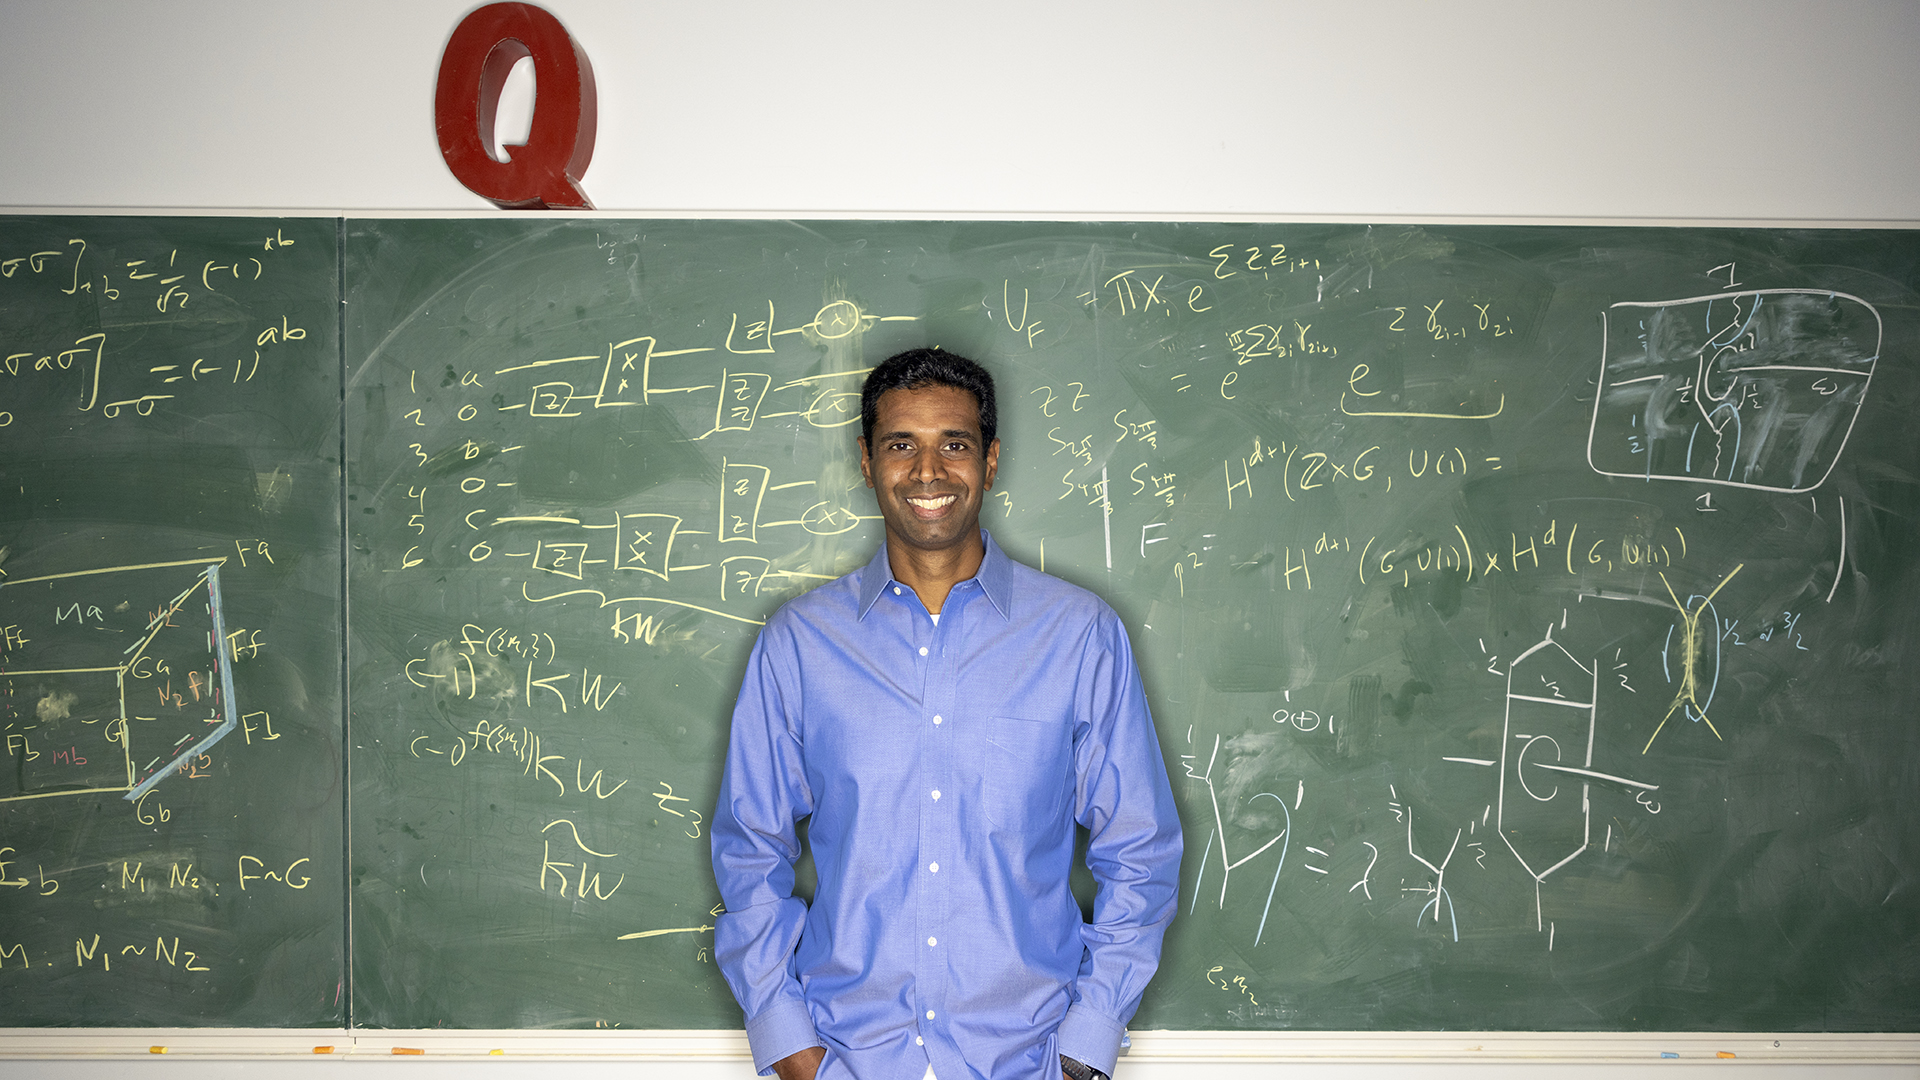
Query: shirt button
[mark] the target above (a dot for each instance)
(929, 1014)
(923, 650)
(932, 941)
(936, 794)
(896, 590)
(933, 868)
(918, 1041)
(937, 719)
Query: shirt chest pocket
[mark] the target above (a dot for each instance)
(1026, 771)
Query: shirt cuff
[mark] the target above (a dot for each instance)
(785, 1028)
(1086, 1036)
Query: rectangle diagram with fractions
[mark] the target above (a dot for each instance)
(111, 679)
(1755, 389)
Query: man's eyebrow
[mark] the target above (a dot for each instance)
(950, 433)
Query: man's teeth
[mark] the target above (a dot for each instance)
(933, 503)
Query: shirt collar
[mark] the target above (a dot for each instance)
(994, 577)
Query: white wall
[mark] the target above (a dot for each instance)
(1757, 110)
(1770, 111)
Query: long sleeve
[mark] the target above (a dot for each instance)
(939, 767)
(763, 794)
(1124, 800)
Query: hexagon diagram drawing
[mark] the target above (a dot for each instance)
(1551, 713)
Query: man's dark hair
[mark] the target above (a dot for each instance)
(917, 368)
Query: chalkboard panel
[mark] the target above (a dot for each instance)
(1528, 613)
(170, 587)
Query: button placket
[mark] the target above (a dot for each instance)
(937, 812)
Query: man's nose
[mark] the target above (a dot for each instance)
(928, 466)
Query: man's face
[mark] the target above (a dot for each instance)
(927, 466)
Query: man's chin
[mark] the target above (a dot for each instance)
(944, 537)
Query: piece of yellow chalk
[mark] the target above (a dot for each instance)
(156, 1049)
(497, 1053)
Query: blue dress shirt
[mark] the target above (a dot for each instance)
(944, 766)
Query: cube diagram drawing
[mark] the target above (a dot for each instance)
(111, 679)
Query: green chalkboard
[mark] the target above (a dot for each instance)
(1528, 613)
(170, 613)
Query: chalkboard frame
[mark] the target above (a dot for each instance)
(1903, 1044)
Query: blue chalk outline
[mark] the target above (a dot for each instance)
(224, 662)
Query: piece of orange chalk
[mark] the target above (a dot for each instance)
(408, 1050)
(1725, 1054)
(323, 1049)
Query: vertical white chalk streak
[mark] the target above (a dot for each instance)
(1106, 514)
(1586, 788)
(1204, 852)
(1593, 710)
(1500, 796)
(1840, 563)
(1219, 824)
(1276, 876)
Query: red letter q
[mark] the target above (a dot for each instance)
(545, 173)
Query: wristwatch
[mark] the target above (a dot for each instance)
(1080, 1070)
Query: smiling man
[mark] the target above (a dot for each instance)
(945, 716)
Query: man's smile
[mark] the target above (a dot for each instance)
(931, 503)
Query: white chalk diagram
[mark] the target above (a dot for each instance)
(1756, 389)
(1218, 839)
(105, 667)
(1551, 715)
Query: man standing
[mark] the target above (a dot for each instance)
(945, 715)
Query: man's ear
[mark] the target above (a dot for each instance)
(993, 464)
(866, 460)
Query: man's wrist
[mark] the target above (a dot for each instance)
(1075, 1069)
(800, 1065)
